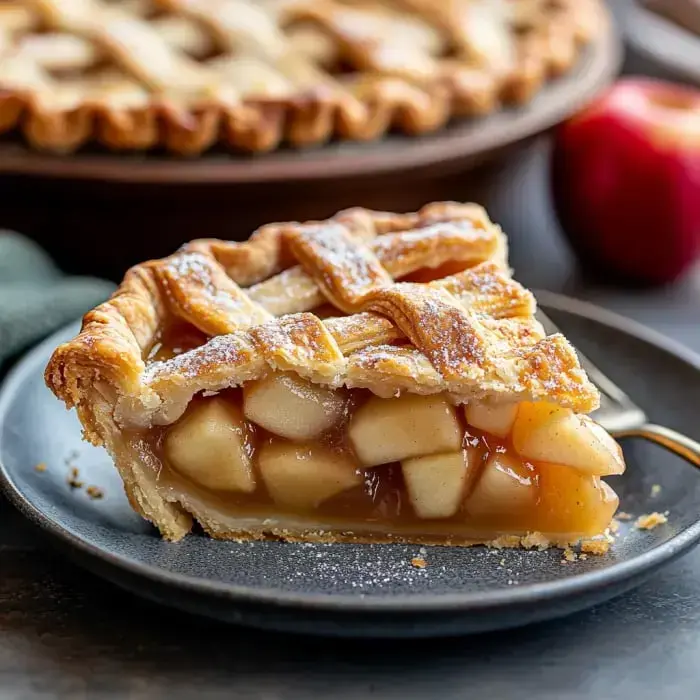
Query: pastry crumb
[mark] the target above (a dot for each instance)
(419, 562)
(73, 479)
(535, 540)
(650, 521)
(569, 555)
(41, 467)
(95, 492)
(655, 490)
(597, 546)
(614, 526)
(506, 542)
(624, 516)
(583, 556)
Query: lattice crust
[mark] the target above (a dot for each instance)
(471, 334)
(187, 74)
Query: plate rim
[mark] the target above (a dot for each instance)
(482, 601)
(468, 140)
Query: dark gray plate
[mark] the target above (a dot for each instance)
(355, 590)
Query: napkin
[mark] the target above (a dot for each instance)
(36, 298)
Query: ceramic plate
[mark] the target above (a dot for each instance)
(355, 590)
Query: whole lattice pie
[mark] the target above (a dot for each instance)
(374, 376)
(186, 75)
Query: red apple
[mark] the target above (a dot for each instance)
(626, 181)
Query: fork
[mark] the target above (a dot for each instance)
(621, 417)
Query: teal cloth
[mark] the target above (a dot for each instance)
(36, 298)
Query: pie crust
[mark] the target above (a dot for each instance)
(186, 75)
(374, 376)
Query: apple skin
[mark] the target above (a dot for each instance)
(626, 182)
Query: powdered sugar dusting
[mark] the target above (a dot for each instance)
(194, 266)
(487, 289)
(416, 247)
(459, 346)
(300, 342)
(436, 324)
(348, 268)
(231, 350)
(212, 294)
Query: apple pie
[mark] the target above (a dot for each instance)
(371, 377)
(247, 75)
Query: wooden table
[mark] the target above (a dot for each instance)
(65, 633)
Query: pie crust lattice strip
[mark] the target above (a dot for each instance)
(185, 75)
(340, 317)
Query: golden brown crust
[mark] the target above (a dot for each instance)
(471, 334)
(266, 88)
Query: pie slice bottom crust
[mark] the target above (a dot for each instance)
(220, 405)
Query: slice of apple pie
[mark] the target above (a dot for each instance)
(372, 377)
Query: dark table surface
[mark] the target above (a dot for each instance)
(65, 633)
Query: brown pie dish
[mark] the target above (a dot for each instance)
(685, 13)
(188, 75)
(371, 377)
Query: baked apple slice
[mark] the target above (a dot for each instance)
(391, 430)
(212, 446)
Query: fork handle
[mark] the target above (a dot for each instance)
(672, 440)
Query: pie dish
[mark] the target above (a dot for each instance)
(186, 75)
(685, 13)
(288, 387)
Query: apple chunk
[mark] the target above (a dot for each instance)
(292, 407)
(304, 475)
(506, 486)
(574, 502)
(436, 484)
(495, 419)
(211, 445)
(390, 430)
(545, 432)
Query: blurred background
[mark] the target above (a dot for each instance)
(603, 208)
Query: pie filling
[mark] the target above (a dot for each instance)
(283, 449)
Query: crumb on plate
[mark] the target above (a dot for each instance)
(95, 492)
(73, 479)
(569, 555)
(655, 490)
(41, 467)
(597, 546)
(535, 540)
(650, 521)
(419, 562)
